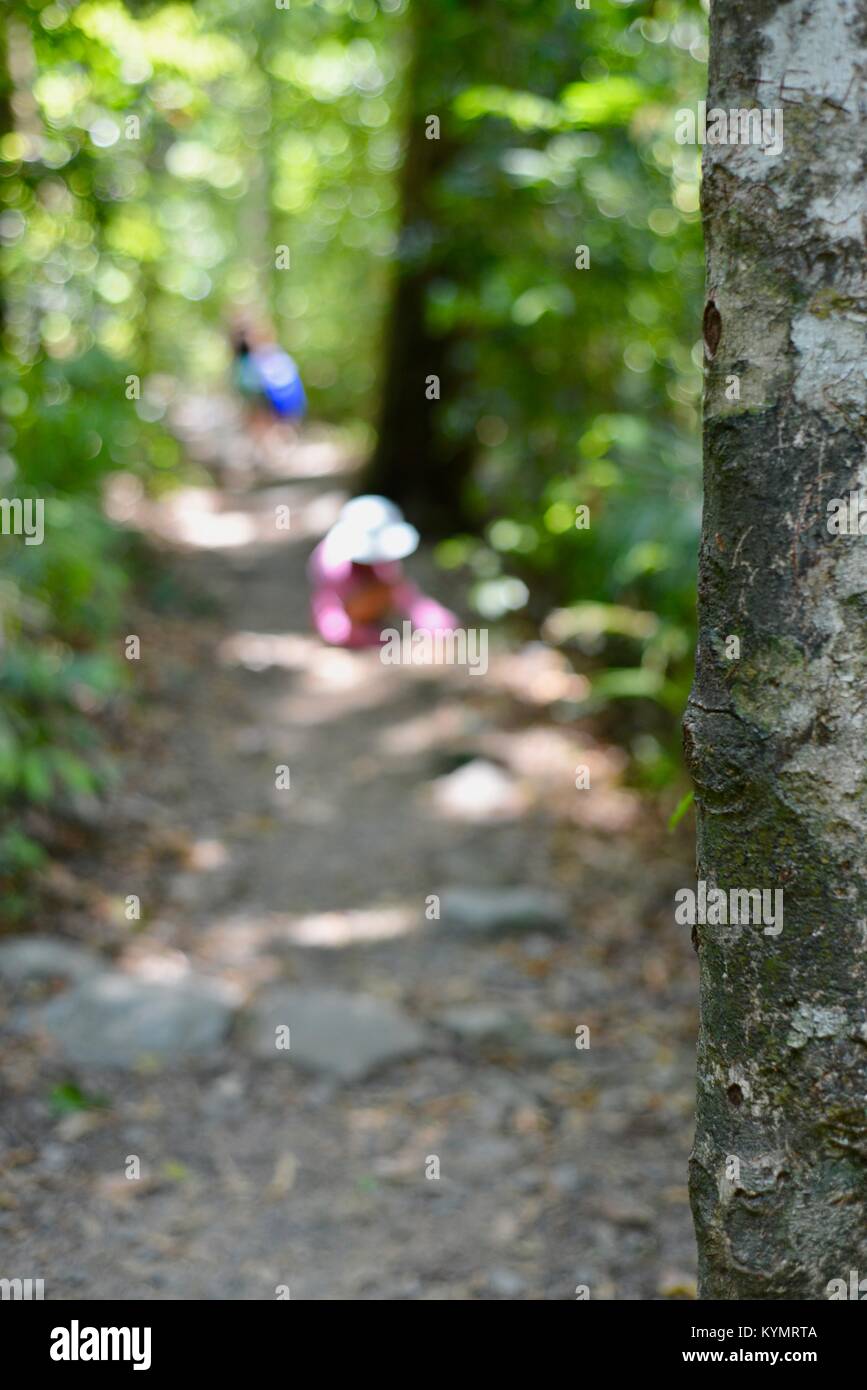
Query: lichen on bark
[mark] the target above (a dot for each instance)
(777, 739)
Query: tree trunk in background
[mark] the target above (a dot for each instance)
(5, 123)
(777, 739)
(416, 462)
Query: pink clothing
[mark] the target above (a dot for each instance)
(335, 582)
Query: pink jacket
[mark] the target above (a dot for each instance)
(335, 582)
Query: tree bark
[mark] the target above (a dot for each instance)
(777, 739)
(416, 462)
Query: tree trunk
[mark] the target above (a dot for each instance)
(776, 738)
(5, 129)
(416, 462)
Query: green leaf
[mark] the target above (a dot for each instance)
(68, 1097)
(36, 775)
(73, 774)
(680, 810)
(610, 102)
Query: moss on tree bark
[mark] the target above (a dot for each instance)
(777, 738)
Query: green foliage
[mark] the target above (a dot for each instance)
(581, 386)
(155, 156)
(680, 810)
(67, 1098)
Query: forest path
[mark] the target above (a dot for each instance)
(558, 1167)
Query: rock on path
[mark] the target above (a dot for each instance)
(343, 1035)
(486, 912)
(31, 959)
(115, 1020)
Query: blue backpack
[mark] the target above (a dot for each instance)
(280, 380)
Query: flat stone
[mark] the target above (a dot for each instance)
(483, 1023)
(506, 1283)
(25, 959)
(548, 1047)
(488, 912)
(491, 1154)
(115, 1020)
(331, 1032)
(566, 1177)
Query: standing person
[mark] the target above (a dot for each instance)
(268, 380)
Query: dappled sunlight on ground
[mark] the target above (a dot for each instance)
(423, 805)
(336, 929)
(258, 651)
(479, 792)
(538, 675)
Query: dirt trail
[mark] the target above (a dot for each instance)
(558, 1166)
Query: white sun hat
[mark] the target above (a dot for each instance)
(370, 530)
